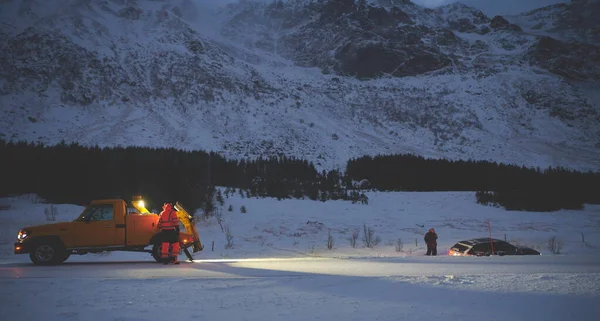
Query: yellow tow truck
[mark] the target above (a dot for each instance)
(104, 225)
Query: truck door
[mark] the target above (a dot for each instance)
(96, 227)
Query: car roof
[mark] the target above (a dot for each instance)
(479, 241)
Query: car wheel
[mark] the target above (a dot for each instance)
(47, 254)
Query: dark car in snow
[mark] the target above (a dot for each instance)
(485, 247)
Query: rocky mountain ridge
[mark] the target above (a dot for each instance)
(321, 80)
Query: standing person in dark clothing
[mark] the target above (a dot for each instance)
(431, 241)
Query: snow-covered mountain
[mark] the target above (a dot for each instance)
(324, 80)
(576, 21)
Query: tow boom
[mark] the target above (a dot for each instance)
(190, 226)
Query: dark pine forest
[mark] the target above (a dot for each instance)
(71, 173)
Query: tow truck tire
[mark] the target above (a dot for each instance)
(156, 253)
(47, 253)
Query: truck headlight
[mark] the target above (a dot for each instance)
(23, 234)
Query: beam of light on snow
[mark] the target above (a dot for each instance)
(264, 259)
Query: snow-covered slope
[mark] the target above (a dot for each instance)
(297, 228)
(258, 79)
(576, 21)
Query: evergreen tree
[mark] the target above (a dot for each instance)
(219, 198)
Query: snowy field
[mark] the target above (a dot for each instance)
(279, 267)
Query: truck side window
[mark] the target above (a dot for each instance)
(98, 212)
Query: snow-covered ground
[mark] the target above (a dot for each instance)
(280, 268)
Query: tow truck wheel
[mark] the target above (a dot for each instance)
(47, 254)
(66, 257)
(156, 253)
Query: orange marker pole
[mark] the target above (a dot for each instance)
(491, 243)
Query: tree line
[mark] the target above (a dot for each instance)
(510, 186)
(71, 173)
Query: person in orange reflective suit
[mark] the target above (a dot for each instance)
(169, 225)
